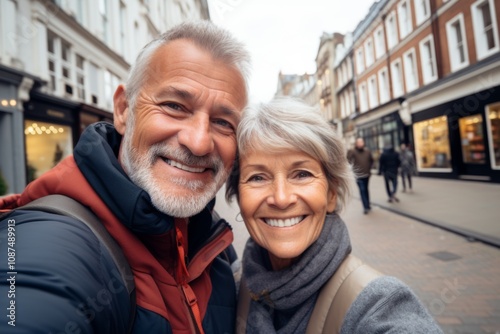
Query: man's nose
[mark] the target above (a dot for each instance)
(197, 135)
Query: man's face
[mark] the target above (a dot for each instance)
(360, 143)
(179, 145)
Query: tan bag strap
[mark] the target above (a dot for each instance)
(338, 294)
(243, 308)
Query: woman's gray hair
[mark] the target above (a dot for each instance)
(206, 35)
(290, 124)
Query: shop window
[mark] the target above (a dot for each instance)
(46, 145)
(472, 139)
(493, 126)
(432, 145)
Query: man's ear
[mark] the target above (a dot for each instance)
(120, 110)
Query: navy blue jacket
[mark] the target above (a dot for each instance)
(63, 278)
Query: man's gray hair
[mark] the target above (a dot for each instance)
(206, 35)
(290, 124)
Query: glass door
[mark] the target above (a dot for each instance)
(473, 145)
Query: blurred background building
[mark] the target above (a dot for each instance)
(60, 62)
(424, 73)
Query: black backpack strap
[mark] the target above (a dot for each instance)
(66, 206)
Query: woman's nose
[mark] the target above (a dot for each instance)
(283, 194)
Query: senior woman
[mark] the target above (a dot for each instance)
(291, 179)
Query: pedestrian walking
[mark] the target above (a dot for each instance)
(407, 167)
(388, 166)
(361, 160)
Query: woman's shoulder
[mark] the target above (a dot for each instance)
(387, 302)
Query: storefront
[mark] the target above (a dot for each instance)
(386, 130)
(52, 127)
(460, 139)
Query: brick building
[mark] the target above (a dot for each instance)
(427, 73)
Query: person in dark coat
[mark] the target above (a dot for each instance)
(361, 160)
(151, 180)
(388, 166)
(407, 166)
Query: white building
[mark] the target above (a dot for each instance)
(60, 62)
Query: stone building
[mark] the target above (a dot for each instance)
(60, 62)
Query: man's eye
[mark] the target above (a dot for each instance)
(173, 106)
(224, 123)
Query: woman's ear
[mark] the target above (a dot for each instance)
(120, 110)
(331, 201)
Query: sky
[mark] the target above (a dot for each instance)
(284, 35)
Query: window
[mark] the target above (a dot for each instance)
(347, 104)
(60, 60)
(411, 74)
(422, 10)
(360, 61)
(472, 139)
(397, 78)
(342, 107)
(404, 16)
(493, 126)
(363, 98)
(369, 52)
(432, 146)
(379, 42)
(392, 30)
(123, 23)
(457, 43)
(103, 11)
(80, 77)
(383, 84)
(94, 83)
(110, 84)
(372, 92)
(428, 59)
(46, 145)
(485, 28)
(51, 49)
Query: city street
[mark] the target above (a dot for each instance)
(457, 279)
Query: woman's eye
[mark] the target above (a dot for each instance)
(303, 174)
(255, 178)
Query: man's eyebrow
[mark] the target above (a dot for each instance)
(177, 92)
(230, 113)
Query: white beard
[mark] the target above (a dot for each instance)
(139, 169)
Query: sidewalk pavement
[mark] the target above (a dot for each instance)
(468, 208)
(457, 280)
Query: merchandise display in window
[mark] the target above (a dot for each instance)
(46, 145)
(432, 145)
(472, 139)
(493, 112)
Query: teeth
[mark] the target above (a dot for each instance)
(283, 222)
(184, 167)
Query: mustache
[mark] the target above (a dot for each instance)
(184, 156)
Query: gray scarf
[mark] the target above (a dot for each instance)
(282, 301)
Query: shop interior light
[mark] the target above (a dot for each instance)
(13, 103)
(5, 103)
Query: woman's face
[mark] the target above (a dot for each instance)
(284, 199)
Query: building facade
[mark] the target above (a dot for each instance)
(325, 60)
(60, 62)
(300, 86)
(428, 73)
